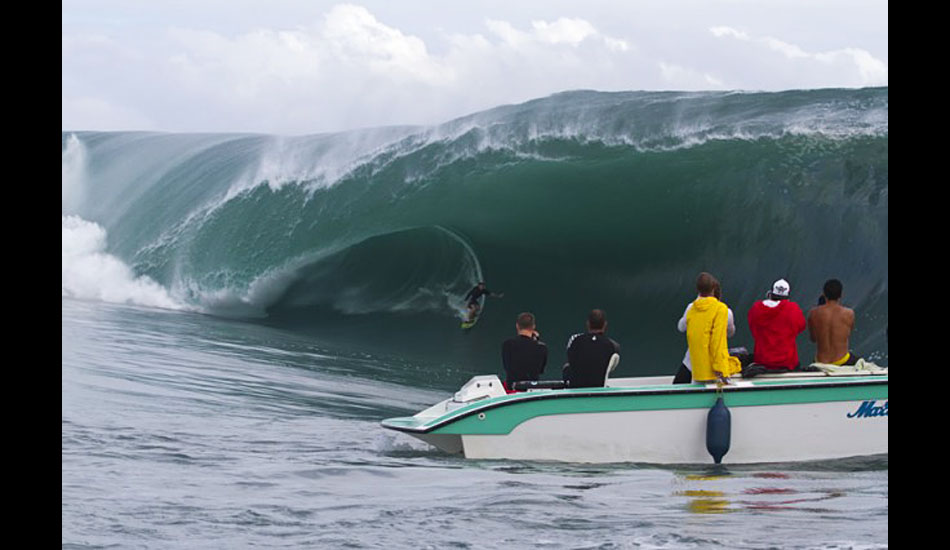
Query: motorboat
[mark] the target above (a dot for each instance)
(773, 417)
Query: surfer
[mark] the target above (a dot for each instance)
(474, 306)
(830, 325)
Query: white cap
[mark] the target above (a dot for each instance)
(780, 288)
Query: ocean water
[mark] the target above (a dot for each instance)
(182, 430)
(240, 311)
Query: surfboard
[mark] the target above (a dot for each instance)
(469, 324)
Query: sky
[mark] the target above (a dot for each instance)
(295, 67)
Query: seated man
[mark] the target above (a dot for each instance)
(775, 323)
(830, 325)
(588, 354)
(524, 356)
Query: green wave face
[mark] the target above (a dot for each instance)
(575, 201)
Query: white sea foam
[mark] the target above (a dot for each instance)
(385, 442)
(91, 273)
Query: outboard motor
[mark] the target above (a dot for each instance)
(718, 430)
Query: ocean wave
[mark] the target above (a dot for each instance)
(574, 199)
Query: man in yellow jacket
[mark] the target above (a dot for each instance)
(706, 326)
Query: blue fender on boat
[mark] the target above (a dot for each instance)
(718, 430)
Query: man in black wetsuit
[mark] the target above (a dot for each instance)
(588, 354)
(473, 295)
(524, 356)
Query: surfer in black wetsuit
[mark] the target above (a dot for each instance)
(588, 354)
(473, 295)
(524, 356)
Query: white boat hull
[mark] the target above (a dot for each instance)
(774, 419)
(781, 433)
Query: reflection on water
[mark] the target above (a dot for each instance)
(705, 501)
(760, 491)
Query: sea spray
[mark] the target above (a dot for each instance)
(91, 273)
(74, 165)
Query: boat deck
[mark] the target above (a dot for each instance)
(738, 380)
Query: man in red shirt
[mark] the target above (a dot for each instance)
(775, 324)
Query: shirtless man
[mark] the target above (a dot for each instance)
(830, 326)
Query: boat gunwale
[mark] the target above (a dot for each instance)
(481, 406)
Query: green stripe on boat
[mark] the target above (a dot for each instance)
(500, 415)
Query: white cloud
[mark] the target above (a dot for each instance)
(616, 44)
(347, 65)
(80, 113)
(563, 31)
(858, 66)
(509, 35)
(351, 69)
(873, 71)
(354, 35)
(719, 32)
(683, 78)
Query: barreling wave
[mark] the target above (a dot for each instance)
(577, 200)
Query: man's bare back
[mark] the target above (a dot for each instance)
(830, 326)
